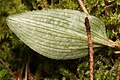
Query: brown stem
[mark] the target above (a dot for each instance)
(90, 45)
(82, 6)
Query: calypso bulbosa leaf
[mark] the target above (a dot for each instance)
(58, 33)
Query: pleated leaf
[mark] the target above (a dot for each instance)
(57, 33)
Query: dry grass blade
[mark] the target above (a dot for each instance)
(82, 6)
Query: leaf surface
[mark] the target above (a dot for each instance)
(57, 33)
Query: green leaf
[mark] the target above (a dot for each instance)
(57, 33)
(3, 72)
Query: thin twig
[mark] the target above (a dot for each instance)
(28, 75)
(90, 45)
(26, 70)
(82, 6)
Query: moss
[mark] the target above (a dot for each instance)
(16, 54)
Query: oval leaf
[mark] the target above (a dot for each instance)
(57, 33)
